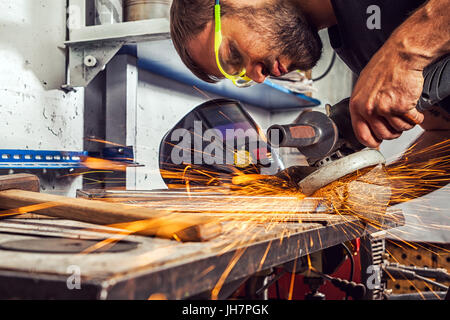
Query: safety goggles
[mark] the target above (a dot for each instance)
(229, 60)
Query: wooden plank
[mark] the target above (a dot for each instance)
(160, 223)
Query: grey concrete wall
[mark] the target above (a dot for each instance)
(34, 114)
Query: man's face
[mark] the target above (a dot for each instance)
(272, 38)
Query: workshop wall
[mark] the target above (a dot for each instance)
(34, 113)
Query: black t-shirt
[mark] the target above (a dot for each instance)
(356, 43)
(353, 41)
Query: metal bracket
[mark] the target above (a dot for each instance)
(86, 61)
(91, 48)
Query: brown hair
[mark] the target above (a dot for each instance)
(187, 19)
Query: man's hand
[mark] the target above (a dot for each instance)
(383, 103)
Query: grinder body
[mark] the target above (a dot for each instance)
(341, 168)
(317, 135)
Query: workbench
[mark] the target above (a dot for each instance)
(141, 267)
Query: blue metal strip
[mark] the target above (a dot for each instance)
(41, 159)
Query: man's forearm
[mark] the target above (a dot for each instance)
(425, 35)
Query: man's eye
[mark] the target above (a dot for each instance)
(235, 56)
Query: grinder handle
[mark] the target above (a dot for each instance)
(436, 87)
(293, 135)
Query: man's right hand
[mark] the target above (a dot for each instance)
(383, 103)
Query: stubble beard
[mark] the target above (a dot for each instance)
(288, 34)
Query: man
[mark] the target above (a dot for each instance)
(253, 39)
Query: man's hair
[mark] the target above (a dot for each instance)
(187, 19)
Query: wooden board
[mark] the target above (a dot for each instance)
(161, 223)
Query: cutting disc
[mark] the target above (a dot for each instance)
(340, 168)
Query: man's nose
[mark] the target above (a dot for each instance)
(257, 72)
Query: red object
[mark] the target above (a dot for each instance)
(331, 292)
(260, 153)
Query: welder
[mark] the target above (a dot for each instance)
(398, 49)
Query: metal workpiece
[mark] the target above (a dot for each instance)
(340, 168)
(91, 48)
(21, 181)
(223, 206)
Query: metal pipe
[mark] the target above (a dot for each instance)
(146, 9)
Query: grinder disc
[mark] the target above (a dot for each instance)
(340, 168)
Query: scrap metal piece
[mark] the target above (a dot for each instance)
(209, 201)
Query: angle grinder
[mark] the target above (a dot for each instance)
(328, 141)
(329, 145)
(340, 169)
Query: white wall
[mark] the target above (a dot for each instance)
(34, 114)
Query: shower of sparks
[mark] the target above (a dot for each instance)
(366, 195)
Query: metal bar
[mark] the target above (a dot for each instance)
(40, 159)
(121, 105)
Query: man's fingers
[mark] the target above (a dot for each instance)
(413, 116)
(398, 123)
(363, 132)
(381, 129)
